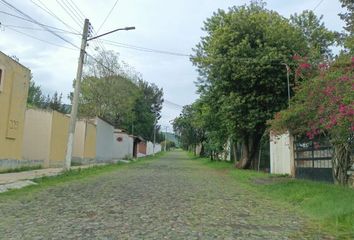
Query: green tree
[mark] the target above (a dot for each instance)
(240, 62)
(113, 90)
(348, 18)
(147, 109)
(318, 37)
(36, 97)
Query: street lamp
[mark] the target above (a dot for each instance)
(287, 77)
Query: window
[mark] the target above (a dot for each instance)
(2, 78)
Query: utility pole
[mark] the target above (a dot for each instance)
(165, 139)
(75, 103)
(69, 147)
(153, 148)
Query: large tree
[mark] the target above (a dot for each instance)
(348, 18)
(240, 60)
(318, 37)
(113, 90)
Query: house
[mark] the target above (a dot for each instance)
(45, 137)
(84, 150)
(14, 83)
(123, 145)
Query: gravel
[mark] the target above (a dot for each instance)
(169, 198)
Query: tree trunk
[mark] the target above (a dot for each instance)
(234, 149)
(202, 152)
(250, 152)
(341, 163)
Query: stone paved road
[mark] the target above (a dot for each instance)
(169, 198)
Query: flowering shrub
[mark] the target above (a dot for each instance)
(323, 105)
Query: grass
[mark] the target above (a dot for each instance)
(21, 169)
(331, 207)
(74, 175)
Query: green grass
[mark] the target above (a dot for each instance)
(74, 175)
(21, 169)
(331, 207)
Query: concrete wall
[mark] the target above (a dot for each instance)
(79, 140)
(90, 141)
(122, 145)
(84, 150)
(46, 136)
(59, 139)
(158, 148)
(37, 136)
(282, 154)
(104, 140)
(13, 96)
(150, 148)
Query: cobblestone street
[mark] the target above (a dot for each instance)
(169, 198)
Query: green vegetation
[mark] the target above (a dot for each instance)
(21, 169)
(329, 206)
(120, 96)
(75, 175)
(243, 65)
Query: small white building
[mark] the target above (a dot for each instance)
(282, 154)
(123, 145)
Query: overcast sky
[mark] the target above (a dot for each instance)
(173, 26)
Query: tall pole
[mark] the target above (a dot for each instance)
(165, 139)
(75, 103)
(288, 80)
(153, 147)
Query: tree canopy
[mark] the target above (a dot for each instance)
(114, 91)
(240, 63)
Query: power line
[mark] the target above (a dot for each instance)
(38, 29)
(78, 9)
(143, 49)
(25, 19)
(69, 13)
(109, 13)
(36, 22)
(82, 18)
(51, 13)
(39, 39)
(318, 4)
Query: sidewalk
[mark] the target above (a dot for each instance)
(6, 178)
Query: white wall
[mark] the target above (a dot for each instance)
(150, 148)
(123, 148)
(104, 143)
(282, 154)
(157, 148)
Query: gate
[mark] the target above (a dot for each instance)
(313, 159)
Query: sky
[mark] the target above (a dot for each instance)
(165, 25)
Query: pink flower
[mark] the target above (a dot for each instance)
(342, 108)
(305, 65)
